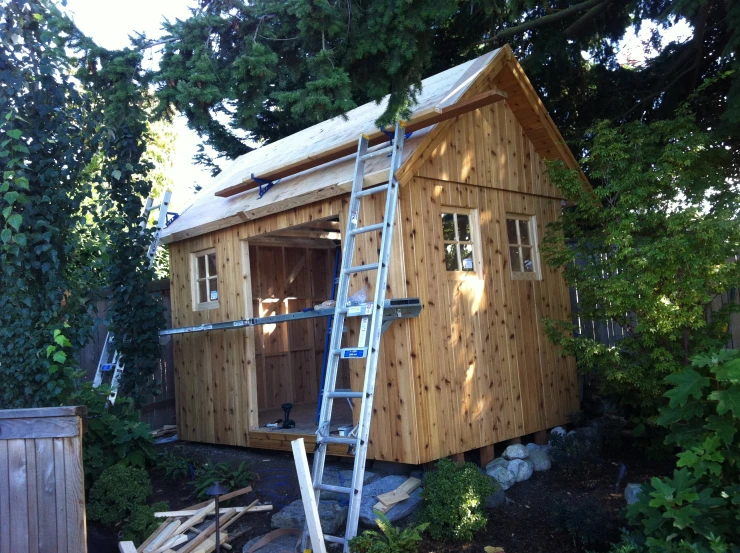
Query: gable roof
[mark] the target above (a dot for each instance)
(230, 198)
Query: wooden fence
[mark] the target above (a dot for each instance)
(161, 410)
(42, 490)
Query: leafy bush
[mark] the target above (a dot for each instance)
(389, 540)
(698, 509)
(141, 523)
(117, 492)
(647, 249)
(115, 435)
(173, 466)
(207, 474)
(454, 497)
(587, 524)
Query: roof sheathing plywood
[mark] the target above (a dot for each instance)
(499, 69)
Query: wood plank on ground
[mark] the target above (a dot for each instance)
(404, 489)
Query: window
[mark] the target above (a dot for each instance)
(460, 234)
(205, 281)
(523, 255)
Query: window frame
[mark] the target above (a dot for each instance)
(196, 279)
(531, 221)
(475, 242)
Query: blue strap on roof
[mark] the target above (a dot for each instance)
(390, 136)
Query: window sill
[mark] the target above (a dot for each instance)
(205, 306)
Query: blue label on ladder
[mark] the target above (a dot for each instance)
(106, 367)
(354, 353)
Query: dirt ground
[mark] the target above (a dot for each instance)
(526, 524)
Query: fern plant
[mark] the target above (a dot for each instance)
(207, 474)
(174, 467)
(390, 539)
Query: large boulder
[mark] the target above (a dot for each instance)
(631, 492)
(540, 459)
(502, 476)
(336, 477)
(516, 451)
(400, 510)
(331, 514)
(521, 470)
(558, 431)
(498, 462)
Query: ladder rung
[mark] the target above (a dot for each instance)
(345, 394)
(371, 191)
(376, 153)
(369, 228)
(330, 488)
(334, 539)
(361, 268)
(341, 440)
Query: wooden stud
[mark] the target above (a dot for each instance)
(486, 455)
(540, 437)
(458, 458)
(309, 499)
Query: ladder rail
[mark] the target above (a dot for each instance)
(369, 341)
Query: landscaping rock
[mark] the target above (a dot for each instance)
(502, 476)
(495, 500)
(631, 491)
(499, 462)
(516, 451)
(521, 470)
(558, 431)
(540, 459)
(279, 545)
(342, 478)
(401, 510)
(331, 513)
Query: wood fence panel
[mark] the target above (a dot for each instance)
(42, 491)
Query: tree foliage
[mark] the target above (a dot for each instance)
(263, 70)
(73, 134)
(649, 249)
(698, 508)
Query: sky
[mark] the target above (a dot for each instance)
(109, 23)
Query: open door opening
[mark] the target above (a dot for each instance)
(293, 270)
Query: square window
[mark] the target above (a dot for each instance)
(522, 241)
(461, 242)
(205, 280)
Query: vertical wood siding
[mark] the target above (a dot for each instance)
(42, 492)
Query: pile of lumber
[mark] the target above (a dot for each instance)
(387, 501)
(193, 530)
(166, 430)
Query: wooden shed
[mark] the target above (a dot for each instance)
(475, 367)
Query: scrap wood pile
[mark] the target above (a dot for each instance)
(193, 530)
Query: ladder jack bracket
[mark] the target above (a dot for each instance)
(265, 185)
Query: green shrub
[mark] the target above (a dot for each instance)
(117, 492)
(115, 435)
(207, 474)
(454, 497)
(574, 453)
(141, 522)
(174, 467)
(389, 540)
(698, 509)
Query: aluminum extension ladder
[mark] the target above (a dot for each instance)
(369, 336)
(111, 362)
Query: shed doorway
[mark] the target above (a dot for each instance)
(293, 270)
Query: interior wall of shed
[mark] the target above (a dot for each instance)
(289, 356)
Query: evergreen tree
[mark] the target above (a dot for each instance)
(265, 69)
